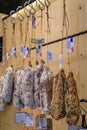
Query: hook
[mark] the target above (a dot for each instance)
(26, 10)
(31, 6)
(47, 3)
(12, 18)
(20, 16)
(42, 7)
(3, 22)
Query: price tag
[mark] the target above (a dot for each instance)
(70, 45)
(26, 52)
(20, 118)
(49, 56)
(7, 56)
(60, 59)
(37, 41)
(39, 50)
(33, 22)
(13, 51)
(29, 120)
(22, 50)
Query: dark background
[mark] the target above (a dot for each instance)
(7, 5)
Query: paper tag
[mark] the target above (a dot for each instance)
(22, 50)
(70, 45)
(39, 50)
(60, 61)
(41, 123)
(49, 56)
(37, 41)
(33, 22)
(13, 51)
(7, 56)
(29, 120)
(26, 52)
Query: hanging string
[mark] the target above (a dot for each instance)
(21, 37)
(5, 47)
(26, 30)
(21, 33)
(48, 27)
(63, 26)
(13, 41)
(29, 40)
(41, 30)
(13, 35)
(41, 22)
(32, 30)
(66, 24)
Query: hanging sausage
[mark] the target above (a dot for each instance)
(8, 85)
(58, 100)
(46, 84)
(27, 88)
(37, 75)
(2, 104)
(72, 101)
(17, 103)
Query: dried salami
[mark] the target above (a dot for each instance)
(2, 103)
(58, 110)
(72, 101)
(8, 85)
(46, 85)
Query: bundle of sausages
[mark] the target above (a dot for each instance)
(8, 85)
(28, 88)
(58, 110)
(46, 84)
(17, 103)
(37, 75)
(2, 104)
(72, 101)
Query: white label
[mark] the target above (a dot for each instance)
(22, 50)
(21, 118)
(60, 59)
(13, 51)
(49, 56)
(7, 56)
(70, 45)
(39, 50)
(29, 120)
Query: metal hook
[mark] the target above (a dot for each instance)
(3, 22)
(42, 7)
(20, 16)
(12, 18)
(47, 3)
(31, 6)
(26, 10)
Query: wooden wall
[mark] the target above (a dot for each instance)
(77, 14)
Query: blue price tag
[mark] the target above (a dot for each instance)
(33, 22)
(49, 56)
(39, 50)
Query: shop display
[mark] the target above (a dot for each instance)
(8, 83)
(46, 84)
(2, 103)
(37, 75)
(58, 110)
(17, 103)
(72, 101)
